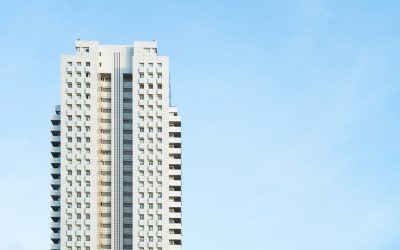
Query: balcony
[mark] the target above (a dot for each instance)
(175, 150)
(55, 247)
(55, 224)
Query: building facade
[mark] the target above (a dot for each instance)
(116, 151)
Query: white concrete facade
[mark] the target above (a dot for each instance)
(116, 151)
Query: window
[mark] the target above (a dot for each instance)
(141, 64)
(141, 129)
(141, 86)
(87, 64)
(87, 74)
(141, 75)
(159, 217)
(159, 129)
(69, 63)
(87, 139)
(159, 76)
(159, 86)
(159, 65)
(86, 49)
(141, 205)
(141, 216)
(151, 65)
(159, 206)
(87, 85)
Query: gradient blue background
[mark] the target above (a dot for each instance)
(290, 112)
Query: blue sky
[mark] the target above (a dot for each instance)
(290, 116)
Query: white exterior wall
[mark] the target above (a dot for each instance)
(117, 197)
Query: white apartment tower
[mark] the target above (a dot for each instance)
(116, 151)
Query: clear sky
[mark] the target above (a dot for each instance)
(290, 109)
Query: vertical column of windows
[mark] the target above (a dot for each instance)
(78, 154)
(150, 155)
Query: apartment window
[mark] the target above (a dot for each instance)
(141, 216)
(141, 162)
(87, 96)
(87, 205)
(87, 64)
(141, 75)
(87, 118)
(69, 63)
(87, 238)
(87, 85)
(87, 74)
(69, 128)
(87, 172)
(79, 85)
(141, 205)
(69, 238)
(87, 139)
(69, 74)
(141, 97)
(159, 86)
(141, 86)
(159, 206)
(159, 65)
(159, 129)
(79, 73)
(141, 64)
(78, 64)
(87, 129)
(87, 216)
(159, 195)
(150, 65)
(69, 172)
(86, 49)
(141, 129)
(78, 139)
(159, 217)
(79, 194)
(69, 85)
(159, 76)
(78, 172)
(69, 118)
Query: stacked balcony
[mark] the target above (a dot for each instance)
(175, 181)
(55, 179)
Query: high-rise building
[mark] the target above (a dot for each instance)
(116, 151)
